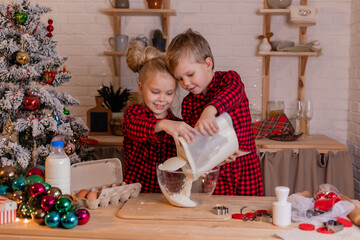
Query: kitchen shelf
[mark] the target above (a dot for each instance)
(302, 57)
(118, 13)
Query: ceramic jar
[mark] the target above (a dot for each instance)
(279, 3)
(155, 4)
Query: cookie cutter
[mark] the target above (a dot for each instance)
(220, 210)
(334, 226)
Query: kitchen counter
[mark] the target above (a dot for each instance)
(104, 224)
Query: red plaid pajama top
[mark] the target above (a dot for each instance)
(227, 93)
(144, 149)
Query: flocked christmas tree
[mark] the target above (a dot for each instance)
(32, 112)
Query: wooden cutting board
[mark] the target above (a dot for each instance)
(155, 206)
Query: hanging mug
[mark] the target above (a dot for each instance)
(120, 3)
(121, 42)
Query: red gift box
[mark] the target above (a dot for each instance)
(7, 210)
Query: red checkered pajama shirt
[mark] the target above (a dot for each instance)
(227, 93)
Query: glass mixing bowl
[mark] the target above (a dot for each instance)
(187, 189)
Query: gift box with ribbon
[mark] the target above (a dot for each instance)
(7, 210)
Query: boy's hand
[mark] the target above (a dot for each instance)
(231, 158)
(207, 123)
(176, 129)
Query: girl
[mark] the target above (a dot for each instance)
(146, 143)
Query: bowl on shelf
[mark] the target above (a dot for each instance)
(187, 189)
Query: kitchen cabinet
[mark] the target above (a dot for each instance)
(302, 57)
(118, 13)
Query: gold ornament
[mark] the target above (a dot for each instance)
(8, 131)
(22, 57)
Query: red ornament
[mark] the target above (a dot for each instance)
(49, 76)
(31, 102)
(82, 215)
(48, 202)
(36, 171)
(37, 189)
(50, 28)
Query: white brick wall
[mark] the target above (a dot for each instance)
(231, 27)
(353, 137)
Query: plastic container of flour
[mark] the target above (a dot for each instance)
(207, 152)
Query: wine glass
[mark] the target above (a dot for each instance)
(308, 114)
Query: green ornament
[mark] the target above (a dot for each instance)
(34, 179)
(63, 205)
(47, 185)
(21, 17)
(24, 211)
(67, 112)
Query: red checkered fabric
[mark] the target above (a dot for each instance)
(278, 126)
(144, 148)
(226, 92)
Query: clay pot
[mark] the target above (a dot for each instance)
(279, 3)
(154, 4)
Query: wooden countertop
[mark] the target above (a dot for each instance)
(319, 142)
(104, 224)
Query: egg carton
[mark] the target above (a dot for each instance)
(103, 177)
(111, 195)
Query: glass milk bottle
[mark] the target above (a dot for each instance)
(281, 209)
(57, 168)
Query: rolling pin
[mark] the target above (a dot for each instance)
(354, 215)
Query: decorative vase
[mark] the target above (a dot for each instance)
(264, 46)
(278, 3)
(154, 4)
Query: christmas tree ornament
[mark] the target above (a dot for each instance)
(40, 166)
(7, 173)
(50, 28)
(83, 216)
(49, 76)
(48, 203)
(31, 102)
(69, 220)
(37, 189)
(21, 18)
(22, 57)
(36, 171)
(24, 210)
(8, 131)
(68, 196)
(34, 179)
(62, 205)
(39, 216)
(18, 197)
(52, 219)
(56, 117)
(18, 184)
(47, 185)
(69, 148)
(3, 189)
(54, 191)
(65, 70)
(65, 111)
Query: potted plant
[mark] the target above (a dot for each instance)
(159, 42)
(116, 102)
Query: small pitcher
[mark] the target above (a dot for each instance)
(120, 3)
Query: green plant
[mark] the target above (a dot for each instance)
(158, 34)
(115, 101)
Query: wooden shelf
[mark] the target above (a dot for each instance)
(118, 13)
(273, 11)
(136, 11)
(288, 54)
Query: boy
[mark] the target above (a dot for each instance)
(190, 60)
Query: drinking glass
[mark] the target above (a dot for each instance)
(299, 115)
(308, 113)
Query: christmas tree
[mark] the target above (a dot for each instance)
(32, 113)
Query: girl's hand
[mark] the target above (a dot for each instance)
(176, 129)
(207, 123)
